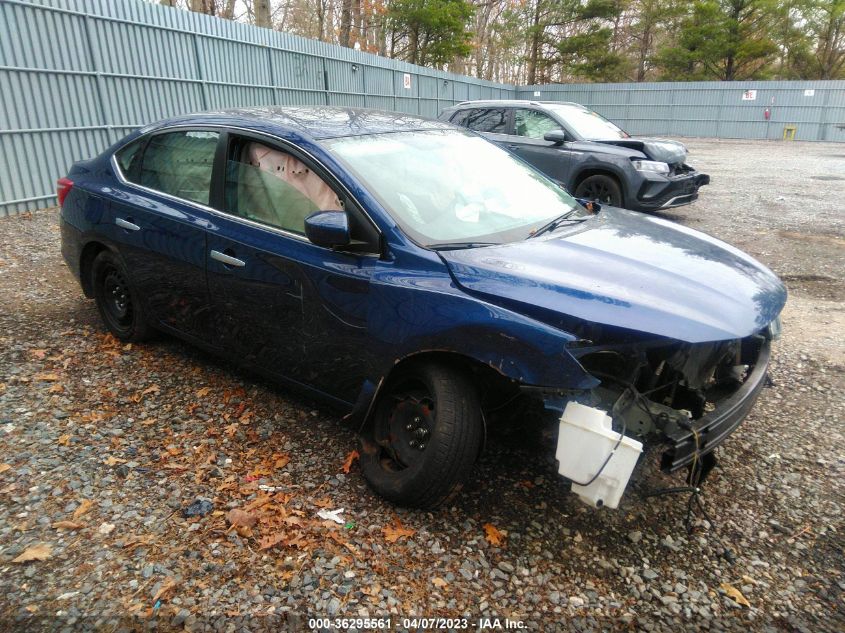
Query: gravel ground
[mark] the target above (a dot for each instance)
(103, 446)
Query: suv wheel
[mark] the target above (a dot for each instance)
(424, 438)
(600, 188)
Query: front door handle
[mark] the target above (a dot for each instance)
(126, 224)
(227, 259)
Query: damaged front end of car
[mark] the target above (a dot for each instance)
(685, 398)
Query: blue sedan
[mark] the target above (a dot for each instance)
(428, 285)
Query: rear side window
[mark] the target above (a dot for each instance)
(459, 118)
(128, 158)
(180, 164)
(533, 124)
(493, 120)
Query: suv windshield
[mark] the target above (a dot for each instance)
(586, 123)
(449, 186)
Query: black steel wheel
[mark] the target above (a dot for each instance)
(424, 438)
(116, 302)
(600, 188)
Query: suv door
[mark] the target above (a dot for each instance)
(281, 303)
(527, 142)
(158, 220)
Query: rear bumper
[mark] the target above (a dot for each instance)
(716, 426)
(665, 192)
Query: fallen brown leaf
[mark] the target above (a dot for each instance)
(271, 540)
(240, 518)
(231, 429)
(393, 533)
(41, 551)
(280, 460)
(493, 535)
(111, 460)
(167, 587)
(38, 353)
(439, 583)
(67, 525)
(64, 440)
(347, 463)
(46, 377)
(202, 393)
(84, 506)
(4, 467)
(735, 594)
(57, 388)
(151, 389)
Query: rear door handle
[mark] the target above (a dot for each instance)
(126, 224)
(227, 259)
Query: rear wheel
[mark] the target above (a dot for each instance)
(118, 305)
(425, 436)
(600, 188)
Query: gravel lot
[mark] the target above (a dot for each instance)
(102, 446)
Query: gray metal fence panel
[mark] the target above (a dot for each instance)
(76, 75)
(816, 109)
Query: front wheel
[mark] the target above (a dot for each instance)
(117, 303)
(600, 188)
(425, 436)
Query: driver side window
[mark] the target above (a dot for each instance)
(273, 187)
(533, 124)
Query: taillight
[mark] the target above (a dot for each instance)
(63, 187)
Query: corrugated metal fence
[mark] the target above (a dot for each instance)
(76, 75)
(815, 109)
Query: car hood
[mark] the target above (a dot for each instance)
(628, 270)
(660, 149)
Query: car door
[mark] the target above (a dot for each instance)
(527, 142)
(158, 217)
(281, 303)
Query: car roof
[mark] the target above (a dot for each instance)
(316, 122)
(511, 103)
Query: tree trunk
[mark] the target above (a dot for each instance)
(413, 44)
(357, 24)
(535, 45)
(345, 22)
(229, 10)
(262, 14)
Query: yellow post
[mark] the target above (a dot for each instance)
(789, 132)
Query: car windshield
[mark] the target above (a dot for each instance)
(587, 124)
(449, 186)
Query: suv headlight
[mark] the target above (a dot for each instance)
(650, 165)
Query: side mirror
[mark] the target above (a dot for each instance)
(558, 137)
(328, 228)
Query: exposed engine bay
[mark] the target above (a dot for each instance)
(666, 390)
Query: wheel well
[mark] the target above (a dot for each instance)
(599, 172)
(495, 390)
(89, 253)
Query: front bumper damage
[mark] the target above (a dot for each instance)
(685, 399)
(715, 427)
(666, 192)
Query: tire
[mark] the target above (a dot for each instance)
(600, 188)
(438, 408)
(117, 303)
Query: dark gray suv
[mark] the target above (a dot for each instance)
(589, 155)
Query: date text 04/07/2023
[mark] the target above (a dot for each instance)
(417, 624)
